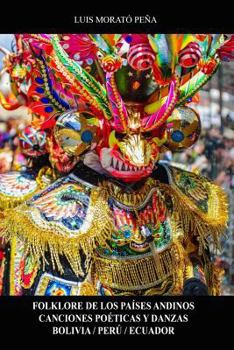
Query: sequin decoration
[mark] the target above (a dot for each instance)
(29, 269)
(50, 285)
(17, 184)
(65, 203)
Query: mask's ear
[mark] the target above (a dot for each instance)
(76, 132)
(183, 129)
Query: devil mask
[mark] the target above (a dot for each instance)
(125, 98)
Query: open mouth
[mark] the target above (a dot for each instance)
(139, 246)
(123, 169)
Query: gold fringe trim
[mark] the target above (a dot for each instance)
(141, 273)
(134, 199)
(214, 276)
(195, 222)
(97, 227)
(10, 202)
(12, 266)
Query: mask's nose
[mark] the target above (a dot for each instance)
(136, 150)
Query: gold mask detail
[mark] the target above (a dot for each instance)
(137, 150)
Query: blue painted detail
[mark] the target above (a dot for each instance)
(39, 80)
(52, 91)
(127, 233)
(128, 39)
(40, 90)
(74, 223)
(177, 136)
(45, 100)
(49, 109)
(57, 288)
(89, 61)
(86, 136)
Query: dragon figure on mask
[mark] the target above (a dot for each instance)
(115, 218)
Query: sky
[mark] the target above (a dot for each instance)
(5, 41)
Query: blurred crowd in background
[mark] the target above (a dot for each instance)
(213, 156)
(10, 156)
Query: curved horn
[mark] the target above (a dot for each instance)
(4, 70)
(158, 118)
(117, 105)
(89, 88)
(5, 51)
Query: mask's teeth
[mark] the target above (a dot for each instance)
(120, 165)
(125, 167)
(115, 161)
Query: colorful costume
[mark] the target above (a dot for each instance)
(36, 144)
(122, 221)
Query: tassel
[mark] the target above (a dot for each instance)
(97, 228)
